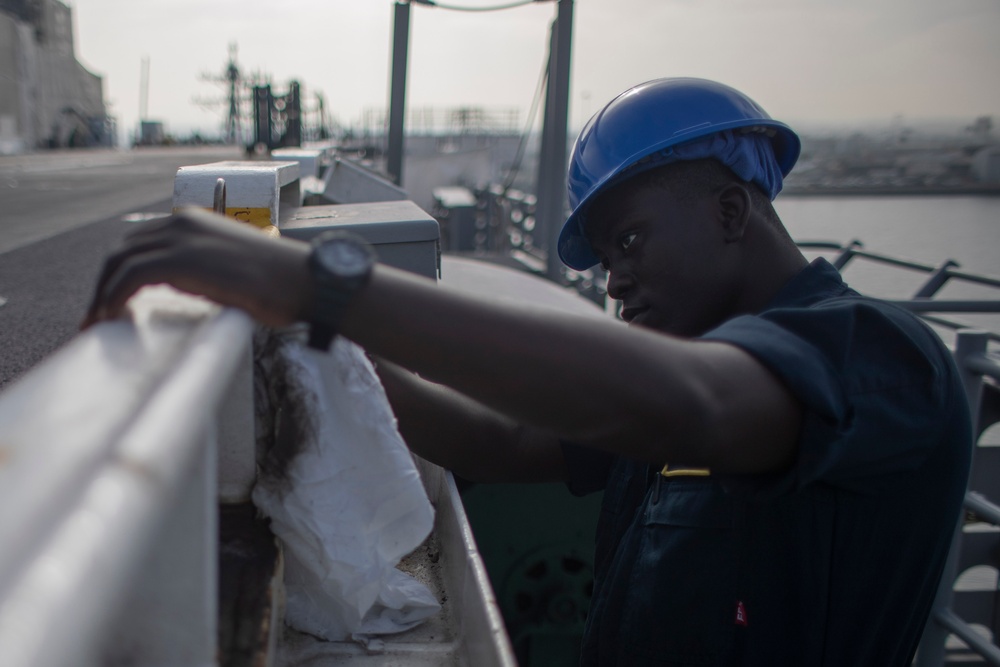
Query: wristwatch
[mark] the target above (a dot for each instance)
(340, 264)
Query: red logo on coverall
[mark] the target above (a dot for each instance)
(741, 613)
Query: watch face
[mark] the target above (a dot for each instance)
(344, 257)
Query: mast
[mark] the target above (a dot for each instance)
(397, 95)
(551, 208)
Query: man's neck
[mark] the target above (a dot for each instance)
(771, 265)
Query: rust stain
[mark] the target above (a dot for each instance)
(139, 469)
(263, 656)
(250, 567)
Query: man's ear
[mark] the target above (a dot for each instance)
(734, 211)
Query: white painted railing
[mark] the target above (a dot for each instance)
(114, 456)
(108, 488)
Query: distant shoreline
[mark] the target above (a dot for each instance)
(990, 190)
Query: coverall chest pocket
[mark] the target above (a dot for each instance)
(622, 497)
(682, 597)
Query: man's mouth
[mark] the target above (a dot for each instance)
(630, 313)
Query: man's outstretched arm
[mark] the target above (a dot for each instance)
(636, 392)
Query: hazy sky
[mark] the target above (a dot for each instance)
(826, 61)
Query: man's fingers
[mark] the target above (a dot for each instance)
(145, 243)
(111, 266)
(131, 272)
(115, 259)
(205, 254)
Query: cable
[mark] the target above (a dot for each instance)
(519, 155)
(511, 5)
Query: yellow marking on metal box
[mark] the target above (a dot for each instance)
(257, 216)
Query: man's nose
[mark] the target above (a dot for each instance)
(619, 283)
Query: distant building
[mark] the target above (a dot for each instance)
(47, 98)
(986, 165)
(151, 133)
(926, 166)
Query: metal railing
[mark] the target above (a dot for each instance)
(975, 364)
(107, 480)
(924, 299)
(503, 224)
(115, 455)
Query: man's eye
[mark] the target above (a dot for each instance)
(627, 239)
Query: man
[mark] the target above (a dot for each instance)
(783, 460)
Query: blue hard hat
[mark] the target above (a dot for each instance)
(646, 120)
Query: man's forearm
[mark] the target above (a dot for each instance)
(584, 378)
(633, 391)
(465, 437)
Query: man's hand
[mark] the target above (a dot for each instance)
(205, 254)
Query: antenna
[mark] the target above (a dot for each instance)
(235, 82)
(234, 124)
(144, 89)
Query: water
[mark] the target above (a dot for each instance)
(928, 229)
(924, 229)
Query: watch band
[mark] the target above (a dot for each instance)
(340, 264)
(322, 330)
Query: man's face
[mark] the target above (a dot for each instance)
(669, 262)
